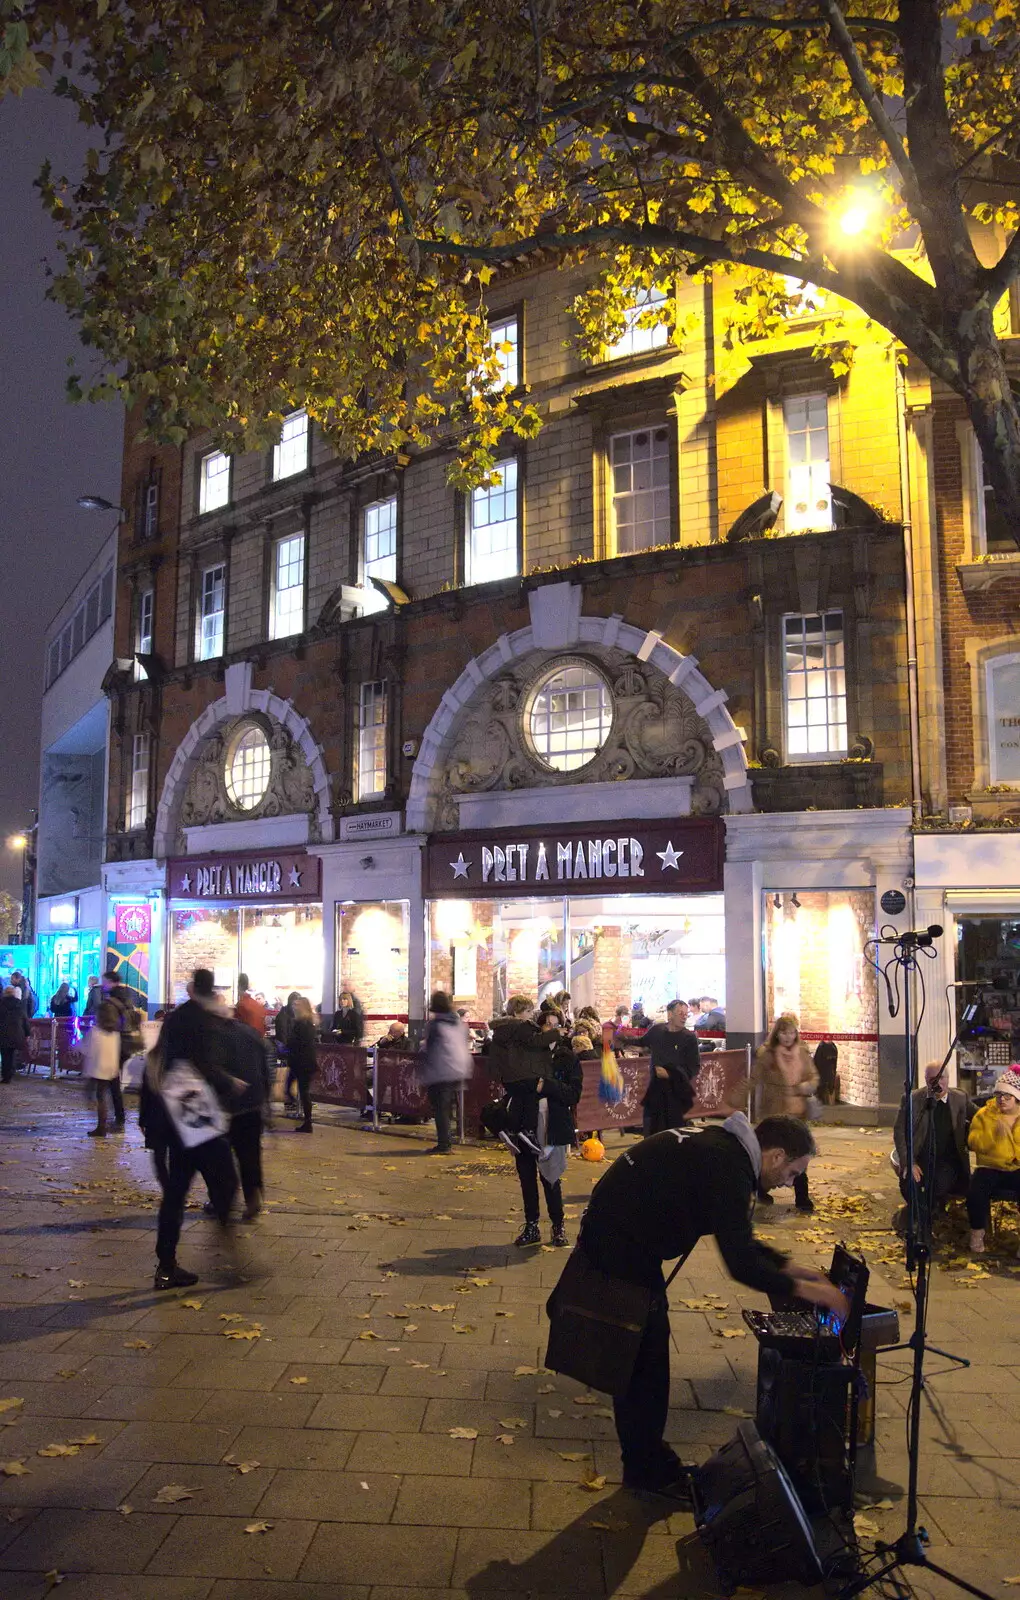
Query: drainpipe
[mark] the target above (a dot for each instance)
(913, 699)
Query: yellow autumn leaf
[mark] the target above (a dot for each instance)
(57, 1450)
(8, 1405)
(463, 1433)
(14, 1469)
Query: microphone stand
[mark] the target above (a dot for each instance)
(910, 1549)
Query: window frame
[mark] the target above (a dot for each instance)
(471, 580)
(137, 808)
(219, 564)
(143, 633)
(797, 397)
(809, 757)
(630, 432)
(205, 510)
(373, 601)
(265, 762)
(495, 319)
(552, 671)
(613, 352)
(275, 476)
(974, 492)
(374, 692)
(273, 629)
(992, 664)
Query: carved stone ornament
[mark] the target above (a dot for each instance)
(656, 733)
(290, 790)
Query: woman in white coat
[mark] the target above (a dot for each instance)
(102, 1065)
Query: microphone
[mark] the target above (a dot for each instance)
(914, 936)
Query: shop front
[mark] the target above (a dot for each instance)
(69, 943)
(968, 883)
(256, 912)
(622, 913)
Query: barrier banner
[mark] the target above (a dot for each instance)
(719, 1089)
(38, 1047)
(343, 1078)
(398, 1090)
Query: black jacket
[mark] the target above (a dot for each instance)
(193, 1033)
(349, 1024)
(248, 1061)
(302, 1051)
(519, 1050)
(678, 1053)
(659, 1198)
(961, 1110)
(14, 1028)
(561, 1087)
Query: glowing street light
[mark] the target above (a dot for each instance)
(17, 841)
(857, 213)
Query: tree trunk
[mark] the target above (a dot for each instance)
(992, 406)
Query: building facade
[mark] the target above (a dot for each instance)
(633, 721)
(70, 912)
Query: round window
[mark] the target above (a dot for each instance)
(247, 771)
(569, 717)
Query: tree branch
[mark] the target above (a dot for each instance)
(997, 279)
(872, 102)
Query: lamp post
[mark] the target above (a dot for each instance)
(25, 842)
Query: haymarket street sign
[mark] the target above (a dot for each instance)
(618, 857)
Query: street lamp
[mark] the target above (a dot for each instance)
(857, 212)
(98, 502)
(25, 842)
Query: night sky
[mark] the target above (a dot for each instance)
(51, 451)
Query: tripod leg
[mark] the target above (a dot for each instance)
(947, 1355)
(958, 1583)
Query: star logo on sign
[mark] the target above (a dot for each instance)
(460, 866)
(186, 883)
(294, 877)
(669, 857)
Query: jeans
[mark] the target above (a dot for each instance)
(246, 1142)
(441, 1097)
(116, 1100)
(988, 1184)
(527, 1171)
(303, 1079)
(214, 1160)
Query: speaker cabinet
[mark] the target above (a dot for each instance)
(804, 1414)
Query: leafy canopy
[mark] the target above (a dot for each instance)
(303, 203)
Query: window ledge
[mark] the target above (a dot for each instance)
(976, 577)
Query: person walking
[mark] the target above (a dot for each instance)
(994, 1140)
(302, 1057)
(63, 1002)
(675, 1063)
(558, 1091)
(14, 1030)
(942, 1115)
(447, 1063)
(249, 1010)
(196, 1090)
(248, 1061)
(783, 1079)
(282, 1026)
(653, 1205)
(102, 1069)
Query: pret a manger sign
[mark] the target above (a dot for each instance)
(631, 857)
(280, 875)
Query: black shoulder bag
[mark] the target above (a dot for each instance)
(597, 1323)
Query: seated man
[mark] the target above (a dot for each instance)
(947, 1120)
(395, 1038)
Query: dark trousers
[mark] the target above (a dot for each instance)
(111, 1085)
(303, 1079)
(441, 1097)
(246, 1143)
(657, 1118)
(7, 1064)
(947, 1179)
(527, 1171)
(290, 1083)
(522, 1108)
(641, 1413)
(214, 1160)
(988, 1184)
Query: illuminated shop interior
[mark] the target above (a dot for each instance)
(606, 950)
(279, 947)
(816, 967)
(372, 958)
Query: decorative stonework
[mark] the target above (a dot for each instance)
(672, 715)
(656, 733)
(297, 762)
(291, 788)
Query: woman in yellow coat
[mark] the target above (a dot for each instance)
(994, 1139)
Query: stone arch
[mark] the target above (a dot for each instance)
(557, 624)
(239, 697)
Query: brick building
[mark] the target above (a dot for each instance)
(379, 734)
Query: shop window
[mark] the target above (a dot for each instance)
(814, 686)
(816, 967)
(569, 717)
(641, 332)
(288, 596)
(493, 541)
(1003, 710)
(143, 632)
(213, 482)
(138, 792)
(372, 960)
(248, 769)
(279, 947)
(291, 454)
(211, 606)
(641, 509)
(504, 337)
(371, 773)
(807, 506)
(378, 549)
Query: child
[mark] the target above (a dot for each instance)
(534, 1053)
(102, 1066)
(557, 1095)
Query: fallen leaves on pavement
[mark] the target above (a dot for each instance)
(171, 1493)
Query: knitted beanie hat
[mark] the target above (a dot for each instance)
(1009, 1082)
